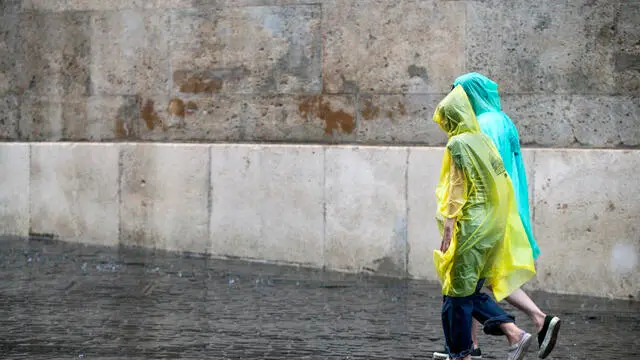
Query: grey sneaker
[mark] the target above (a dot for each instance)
(476, 354)
(518, 350)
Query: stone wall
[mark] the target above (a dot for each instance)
(97, 95)
(313, 71)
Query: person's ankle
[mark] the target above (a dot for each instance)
(513, 335)
(538, 321)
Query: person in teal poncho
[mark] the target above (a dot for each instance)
(485, 100)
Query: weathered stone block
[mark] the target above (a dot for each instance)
(246, 50)
(55, 54)
(9, 46)
(164, 196)
(327, 118)
(236, 225)
(366, 209)
(14, 189)
(577, 120)
(96, 118)
(293, 210)
(130, 53)
(400, 46)
(424, 237)
(108, 118)
(8, 7)
(627, 58)
(627, 26)
(197, 118)
(88, 5)
(605, 121)
(398, 119)
(541, 119)
(9, 117)
(482, 41)
(45, 118)
(238, 3)
(267, 202)
(561, 47)
(586, 221)
(74, 192)
(247, 117)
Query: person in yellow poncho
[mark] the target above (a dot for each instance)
(483, 239)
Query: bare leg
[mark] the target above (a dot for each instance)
(523, 302)
(474, 333)
(512, 332)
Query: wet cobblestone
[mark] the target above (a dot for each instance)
(66, 301)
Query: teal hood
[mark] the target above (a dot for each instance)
(482, 92)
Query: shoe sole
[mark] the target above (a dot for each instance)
(550, 338)
(443, 356)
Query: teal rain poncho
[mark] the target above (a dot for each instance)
(485, 100)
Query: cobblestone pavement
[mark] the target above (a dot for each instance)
(65, 301)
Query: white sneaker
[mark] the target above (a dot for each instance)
(518, 350)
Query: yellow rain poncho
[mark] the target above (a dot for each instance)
(489, 241)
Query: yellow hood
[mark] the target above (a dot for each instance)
(455, 115)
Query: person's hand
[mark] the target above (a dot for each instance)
(446, 241)
(447, 235)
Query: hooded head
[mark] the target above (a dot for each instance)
(455, 115)
(482, 92)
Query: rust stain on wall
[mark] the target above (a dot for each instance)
(402, 109)
(369, 111)
(176, 107)
(208, 81)
(191, 107)
(120, 130)
(337, 120)
(150, 116)
(195, 85)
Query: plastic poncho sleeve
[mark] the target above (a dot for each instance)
(457, 193)
(453, 189)
(452, 195)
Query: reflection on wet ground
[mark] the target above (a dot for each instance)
(67, 301)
